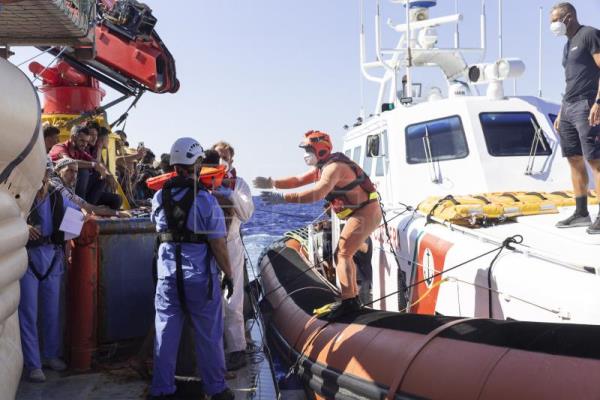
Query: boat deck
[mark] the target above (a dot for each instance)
(120, 382)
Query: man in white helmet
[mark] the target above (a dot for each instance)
(193, 246)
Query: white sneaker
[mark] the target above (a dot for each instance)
(36, 375)
(55, 364)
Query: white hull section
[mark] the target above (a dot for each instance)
(552, 276)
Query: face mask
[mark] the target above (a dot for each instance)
(225, 163)
(559, 28)
(310, 159)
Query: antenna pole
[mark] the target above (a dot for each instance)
(408, 54)
(362, 49)
(540, 56)
(499, 28)
(456, 33)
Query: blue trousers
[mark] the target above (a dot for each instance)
(206, 317)
(47, 294)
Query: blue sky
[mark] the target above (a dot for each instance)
(260, 73)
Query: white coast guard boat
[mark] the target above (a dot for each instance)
(498, 157)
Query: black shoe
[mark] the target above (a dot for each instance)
(236, 360)
(594, 229)
(344, 307)
(574, 220)
(226, 394)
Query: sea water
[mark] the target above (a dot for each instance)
(269, 223)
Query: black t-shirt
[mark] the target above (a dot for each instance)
(581, 72)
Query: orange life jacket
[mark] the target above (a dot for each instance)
(211, 178)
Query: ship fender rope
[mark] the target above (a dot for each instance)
(507, 243)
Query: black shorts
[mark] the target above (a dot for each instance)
(577, 137)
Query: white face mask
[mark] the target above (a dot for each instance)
(310, 158)
(559, 28)
(225, 163)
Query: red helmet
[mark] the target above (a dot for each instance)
(319, 142)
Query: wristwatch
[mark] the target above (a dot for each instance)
(93, 164)
(598, 101)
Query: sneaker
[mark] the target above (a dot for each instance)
(344, 307)
(226, 394)
(594, 229)
(574, 220)
(36, 375)
(55, 364)
(236, 360)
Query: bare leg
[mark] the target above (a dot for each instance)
(358, 227)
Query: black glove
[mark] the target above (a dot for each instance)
(227, 282)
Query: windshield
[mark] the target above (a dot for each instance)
(512, 134)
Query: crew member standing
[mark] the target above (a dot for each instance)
(192, 245)
(579, 116)
(352, 197)
(41, 283)
(235, 194)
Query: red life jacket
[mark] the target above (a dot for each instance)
(340, 204)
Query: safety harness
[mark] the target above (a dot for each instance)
(57, 237)
(176, 214)
(340, 203)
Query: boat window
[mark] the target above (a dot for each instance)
(356, 155)
(367, 164)
(552, 118)
(436, 140)
(379, 163)
(513, 134)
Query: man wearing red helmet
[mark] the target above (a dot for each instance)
(352, 196)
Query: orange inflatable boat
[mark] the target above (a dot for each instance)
(384, 355)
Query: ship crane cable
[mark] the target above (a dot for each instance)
(507, 243)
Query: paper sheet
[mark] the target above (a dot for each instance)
(72, 223)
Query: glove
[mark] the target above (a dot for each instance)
(223, 191)
(260, 182)
(227, 283)
(272, 198)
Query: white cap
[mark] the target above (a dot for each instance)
(185, 151)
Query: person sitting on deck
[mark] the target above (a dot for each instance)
(352, 196)
(64, 178)
(91, 176)
(192, 234)
(42, 280)
(51, 136)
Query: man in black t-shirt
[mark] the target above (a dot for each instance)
(578, 122)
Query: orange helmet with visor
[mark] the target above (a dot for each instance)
(318, 142)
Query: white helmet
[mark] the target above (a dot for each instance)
(185, 151)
